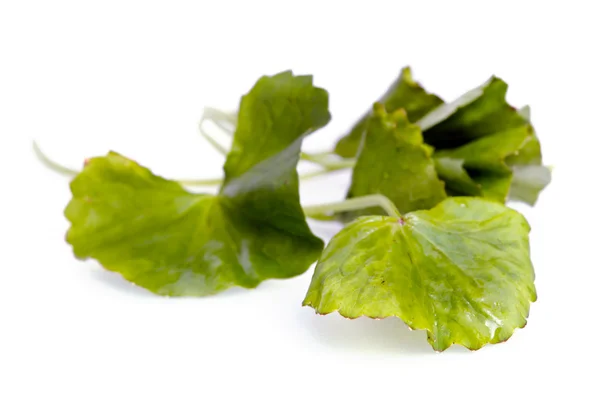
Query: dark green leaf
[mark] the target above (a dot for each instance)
(404, 93)
(260, 170)
(490, 152)
(480, 112)
(461, 271)
(173, 242)
(493, 186)
(485, 167)
(395, 162)
(457, 180)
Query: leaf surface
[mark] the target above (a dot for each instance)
(480, 112)
(173, 242)
(404, 93)
(489, 153)
(457, 180)
(461, 271)
(504, 165)
(395, 162)
(528, 182)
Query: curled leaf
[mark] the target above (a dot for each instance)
(457, 180)
(496, 165)
(480, 112)
(173, 242)
(490, 152)
(528, 181)
(479, 140)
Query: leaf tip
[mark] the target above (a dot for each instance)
(379, 109)
(406, 75)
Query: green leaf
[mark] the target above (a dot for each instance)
(490, 152)
(395, 162)
(493, 186)
(529, 154)
(480, 112)
(486, 166)
(172, 242)
(528, 182)
(461, 271)
(404, 93)
(260, 170)
(457, 180)
(530, 177)
(525, 112)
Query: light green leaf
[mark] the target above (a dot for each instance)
(461, 271)
(528, 182)
(530, 177)
(395, 162)
(173, 242)
(529, 154)
(404, 93)
(525, 112)
(480, 112)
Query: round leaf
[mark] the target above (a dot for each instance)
(461, 271)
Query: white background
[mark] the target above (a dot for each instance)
(84, 77)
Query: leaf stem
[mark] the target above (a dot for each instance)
(321, 159)
(51, 164)
(310, 175)
(200, 182)
(216, 181)
(211, 140)
(219, 118)
(323, 211)
(69, 172)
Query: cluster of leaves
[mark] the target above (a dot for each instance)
(455, 264)
(478, 145)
